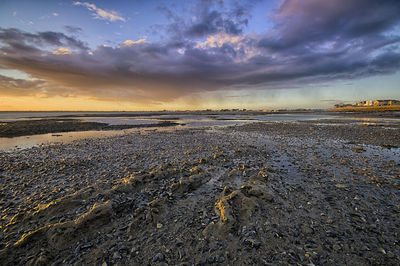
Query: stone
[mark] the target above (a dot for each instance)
(211, 259)
(181, 253)
(158, 257)
(306, 229)
(254, 243)
(381, 250)
(116, 255)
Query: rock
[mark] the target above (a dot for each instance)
(181, 253)
(365, 248)
(179, 243)
(158, 257)
(306, 229)
(358, 149)
(381, 250)
(251, 242)
(134, 249)
(77, 250)
(88, 245)
(211, 259)
(116, 255)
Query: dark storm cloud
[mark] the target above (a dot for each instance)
(210, 17)
(303, 23)
(14, 37)
(311, 42)
(211, 22)
(334, 39)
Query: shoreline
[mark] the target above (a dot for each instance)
(259, 193)
(43, 126)
(27, 126)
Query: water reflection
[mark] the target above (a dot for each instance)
(185, 121)
(7, 144)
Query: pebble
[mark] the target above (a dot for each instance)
(158, 257)
(116, 255)
(211, 259)
(181, 253)
(179, 243)
(381, 250)
(254, 243)
(306, 229)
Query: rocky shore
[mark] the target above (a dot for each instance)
(301, 193)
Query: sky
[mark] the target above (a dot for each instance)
(190, 55)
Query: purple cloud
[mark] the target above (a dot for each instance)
(311, 42)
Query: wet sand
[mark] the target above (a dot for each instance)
(272, 193)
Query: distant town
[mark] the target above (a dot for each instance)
(370, 103)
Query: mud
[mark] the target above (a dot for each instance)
(43, 126)
(263, 194)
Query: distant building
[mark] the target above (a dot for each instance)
(365, 103)
(370, 103)
(381, 102)
(394, 102)
(386, 102)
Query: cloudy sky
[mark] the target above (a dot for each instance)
(178, 54)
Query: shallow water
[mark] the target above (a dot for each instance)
(24, 142)
(185, 121)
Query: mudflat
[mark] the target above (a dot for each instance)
(305, 193)
(43, 126)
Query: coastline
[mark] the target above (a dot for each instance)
(27, 125)
(272, 192)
